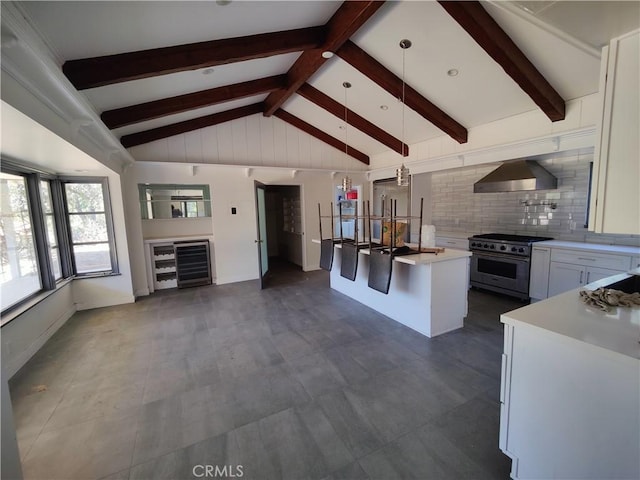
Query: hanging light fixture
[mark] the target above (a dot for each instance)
(346, 181)
(402, 173)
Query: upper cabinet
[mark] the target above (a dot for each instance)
(615, 192)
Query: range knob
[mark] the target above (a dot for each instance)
(503, 247)
(486, 246)
(473, 244)
(493, 247)
(514, 249)
(521, 250)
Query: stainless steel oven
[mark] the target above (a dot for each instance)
(501, 263)
(501, 273)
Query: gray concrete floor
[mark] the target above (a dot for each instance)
(296, 381)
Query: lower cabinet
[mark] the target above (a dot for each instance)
(564, 276)
(539, 275)
(452, 242)
(178, 263)
(558, 270)
(568, 409)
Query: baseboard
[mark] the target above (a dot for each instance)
(12, 368)
(110, 302)
(143, 292)
(235, 279)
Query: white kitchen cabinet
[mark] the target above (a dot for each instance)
(583, 269)
(564, 276)
(568, 409)
(539, 276)
(615, 196)
(558, 266)
(452, 242)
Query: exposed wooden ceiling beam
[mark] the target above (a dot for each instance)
(187, 126)
(345, 22)
(329, 104)
(123, 67)
(477, 22)
(369, 66)
(168, 106)
(320, 135)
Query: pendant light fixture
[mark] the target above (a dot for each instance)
(402, 173)
(346, 181)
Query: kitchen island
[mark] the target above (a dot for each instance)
(428, 292)
(570, 390)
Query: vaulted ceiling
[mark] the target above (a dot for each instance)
(152, 70)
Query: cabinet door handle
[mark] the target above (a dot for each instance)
(588, 275)
(580, 281)
(588, 259)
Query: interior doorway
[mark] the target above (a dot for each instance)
(284, 231)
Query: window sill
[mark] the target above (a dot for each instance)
(39, 297)
(32, 302)
(97, 275)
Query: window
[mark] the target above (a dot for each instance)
(50, 229)
(20, 272)
(89, 225)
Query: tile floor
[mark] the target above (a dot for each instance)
(295, 382)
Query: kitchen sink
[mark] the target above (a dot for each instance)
(628, 285)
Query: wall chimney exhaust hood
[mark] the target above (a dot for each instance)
(516, 176)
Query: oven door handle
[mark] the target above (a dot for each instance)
(502, 256)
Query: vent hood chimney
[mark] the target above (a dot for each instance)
(516, 176)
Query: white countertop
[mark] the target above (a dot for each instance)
(178, 238)
(419, 258)
(592, 247)
(567, 315)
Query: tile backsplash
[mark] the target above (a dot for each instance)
(454, 206)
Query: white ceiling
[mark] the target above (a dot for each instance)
(481, 93)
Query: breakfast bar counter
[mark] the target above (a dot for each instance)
(428, 292)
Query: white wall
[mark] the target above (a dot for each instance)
(254, 140)
(10, 466)
(25, 334)
(167, 227)
(443, 152)
(234, 249)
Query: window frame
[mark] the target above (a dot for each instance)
(58, 233)
(111, 238)
(42, 272)
(33, 176)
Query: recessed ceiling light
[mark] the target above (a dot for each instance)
(327, 54)
(81, 170)
(384, 107)
(208, 71)
(453, 72)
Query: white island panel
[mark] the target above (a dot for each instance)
(428, 292)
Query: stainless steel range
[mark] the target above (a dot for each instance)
(501, 263)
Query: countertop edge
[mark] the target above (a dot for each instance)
(593, 247)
